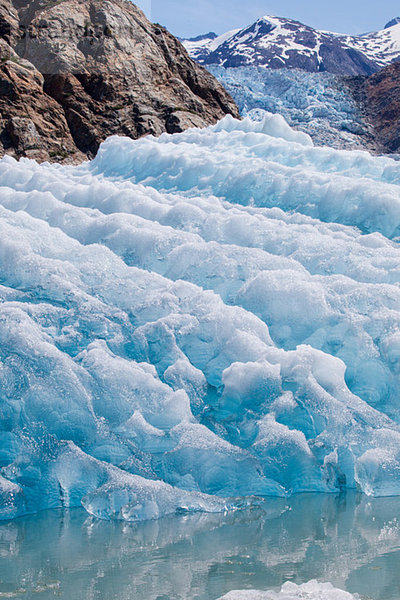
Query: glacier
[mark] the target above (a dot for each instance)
(320, 104)
(197, 322)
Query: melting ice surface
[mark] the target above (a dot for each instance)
(193, 322)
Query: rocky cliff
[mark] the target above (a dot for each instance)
(379, 99)
(74, 72)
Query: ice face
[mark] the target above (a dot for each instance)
(319, 104)
(196, 321)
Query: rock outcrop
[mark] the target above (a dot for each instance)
(74, 72)
(379, 99)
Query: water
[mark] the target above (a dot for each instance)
(351, 541)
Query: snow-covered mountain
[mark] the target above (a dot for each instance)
(279, 42)
(202, 46)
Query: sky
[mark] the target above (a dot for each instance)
(186, 18)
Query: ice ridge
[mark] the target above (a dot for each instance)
(196, 321)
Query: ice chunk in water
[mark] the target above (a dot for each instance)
(313, 590)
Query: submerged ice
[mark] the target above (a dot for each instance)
(196, 321)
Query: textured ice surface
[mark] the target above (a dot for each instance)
(191, 322)
(319, 104)
(290, 591)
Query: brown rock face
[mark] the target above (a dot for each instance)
(379, 98)
(73, 73)
(32, 124)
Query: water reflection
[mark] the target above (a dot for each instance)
(350, 540)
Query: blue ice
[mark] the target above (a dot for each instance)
(198, 321)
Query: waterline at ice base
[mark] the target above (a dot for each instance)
(198, 322)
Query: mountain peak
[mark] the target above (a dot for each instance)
(279, 42)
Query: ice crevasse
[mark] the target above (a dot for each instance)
(198, 321)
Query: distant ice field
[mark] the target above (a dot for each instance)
(320, 104)
(197, 322)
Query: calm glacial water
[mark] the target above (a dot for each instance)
(351, 541)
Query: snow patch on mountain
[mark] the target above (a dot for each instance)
(382, 47)
(200, 48)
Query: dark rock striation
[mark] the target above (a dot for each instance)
(74, 72)
(211, 35)
(393, 22)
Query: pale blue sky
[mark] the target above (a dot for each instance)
(192, 17)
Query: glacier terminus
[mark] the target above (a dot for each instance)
(198, 322)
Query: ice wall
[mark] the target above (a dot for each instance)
(319, 104)
(192, 322)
